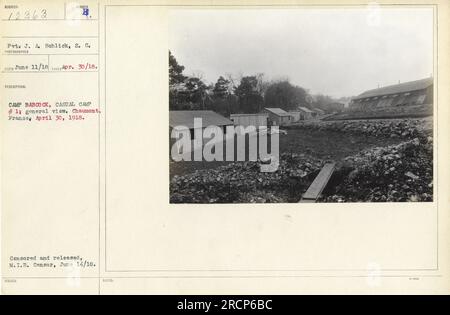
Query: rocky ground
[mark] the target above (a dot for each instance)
(399, 172)
(388, 128)
(243, 182)
(402, 172)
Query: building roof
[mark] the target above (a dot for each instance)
(186, 118)
(318, 110)
(277, 111)
(397, 88)
(304, 109)
(254, 114)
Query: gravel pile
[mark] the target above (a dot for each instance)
(399, 128)
(242, 182)
(402, 172)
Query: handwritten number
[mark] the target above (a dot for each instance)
(27, 15)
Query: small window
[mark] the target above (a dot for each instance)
(388, 102)
(400, 101)
(421, 99)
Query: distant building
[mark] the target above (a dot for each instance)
(419, 92)
(278, 117)
(295, 115)
(345, 100)
(184, 119)
(246, 120)
(335, 107)
(318, 111)
(302, 113)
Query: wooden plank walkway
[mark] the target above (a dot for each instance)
(319, 183)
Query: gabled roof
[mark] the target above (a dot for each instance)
(398, 88)
(277, 111)
(186, 118)
(318, 110)
(304, 109)
(254, 114)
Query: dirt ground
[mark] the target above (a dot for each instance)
(321, 144)
(324, 144)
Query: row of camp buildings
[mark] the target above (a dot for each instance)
(413, 93)
(267, 117)
(276, 117)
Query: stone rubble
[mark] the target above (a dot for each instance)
(398, 128)
(402, 172)
(242, 182)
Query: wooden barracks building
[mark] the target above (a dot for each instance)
(418, 92)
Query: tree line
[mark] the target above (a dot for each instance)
(229, 95)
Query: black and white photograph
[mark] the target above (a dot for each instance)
(301, 105)
(308, 149)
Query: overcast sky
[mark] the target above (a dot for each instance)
(339, 52)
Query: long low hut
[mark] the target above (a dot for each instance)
(278, 117)
(184, 119)
(419, 92)
(245, 120)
